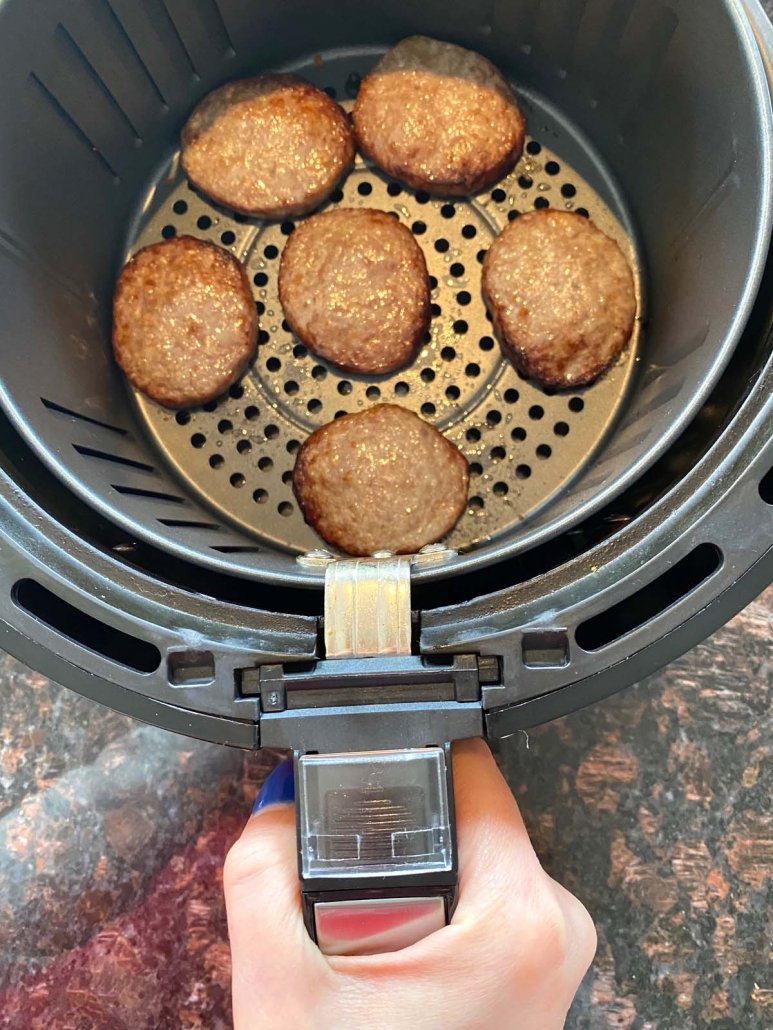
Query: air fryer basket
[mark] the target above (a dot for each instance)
(146, 549)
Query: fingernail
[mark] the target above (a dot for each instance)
(278, 789)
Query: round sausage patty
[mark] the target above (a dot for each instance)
(561, 295)
(184, 321)
(439, 117)
(383, 479)
(354, 287)
(271, 146)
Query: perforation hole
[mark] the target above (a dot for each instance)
(263, 336)
(427, 375)
(373, 393)
(541, 203)
(475, 504)
(394, 189)
(428, 409)
(481, 255)
(476, 469)
(457, 269)
(251, 412)
(552, 168)
(519, 433)
(498, 196)
(463, 298)
(512, 215)
(544, 451)
(216, 461)
(227, 238)
(448, 354)
(224, 425)
(523, 472)
(182, 418)
(179, 207)
(511, 396)
(365, 189)
(452, 393)
(287, 228)
(287, 477)
(583, 212)
(533, 148)
(314, 406)
(561, 429)
(204, 222)
(448, 210)
(260, 278)
(486, 343)
(244, 446)
(469, 232)
(435, 310)
(498, 453)
(265, 464)
(300, 352)
(422, 197)
(260, 496)
(237, 480)
(344, 387)
(337, 196)
(270, 252)
(442, 245)
(319, 372)
(271, 432)
(401, 389)
(198, 440)
(501, 489)
(210, 406)
(273, 364)
(168, 232)
(432, 282)
(293, 446)
(536, 412)
(419, 228)
(472, 370)
(568, 190)
(460, 327)
(472, 435)
(576, 404)
(493, 417)
(525, 182)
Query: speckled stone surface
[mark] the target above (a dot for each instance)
(654, 807)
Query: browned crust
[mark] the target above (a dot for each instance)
(467, 176)
(205, 114)
(414, 327)
(539, 365)
(230, 274)
(317, 513)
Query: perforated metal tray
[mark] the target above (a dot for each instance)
(524, 443)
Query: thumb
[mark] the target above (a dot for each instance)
(270, 946)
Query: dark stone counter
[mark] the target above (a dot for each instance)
(654, 807)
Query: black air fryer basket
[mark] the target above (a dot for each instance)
(150, 558)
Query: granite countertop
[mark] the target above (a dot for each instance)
(654, 807)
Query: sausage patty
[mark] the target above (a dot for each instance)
(354, 287)
(271, 146)
(439, 117)
(184, 321)
(561, 295)
(383, 479)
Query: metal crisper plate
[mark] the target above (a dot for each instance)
(524, 444)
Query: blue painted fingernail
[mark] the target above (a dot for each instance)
(278, 789)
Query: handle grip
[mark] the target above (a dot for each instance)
(376, 847)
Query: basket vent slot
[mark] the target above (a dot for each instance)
(69, 621)
(633, 611)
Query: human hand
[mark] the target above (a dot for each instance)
(513, 955)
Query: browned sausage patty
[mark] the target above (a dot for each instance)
(562, 297)
(272, 146)
(380, 479)
(184, 321)
(439, 117)
(354, 287)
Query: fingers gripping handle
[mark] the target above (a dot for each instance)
(377, 847)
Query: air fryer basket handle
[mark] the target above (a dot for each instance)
(376, 847)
